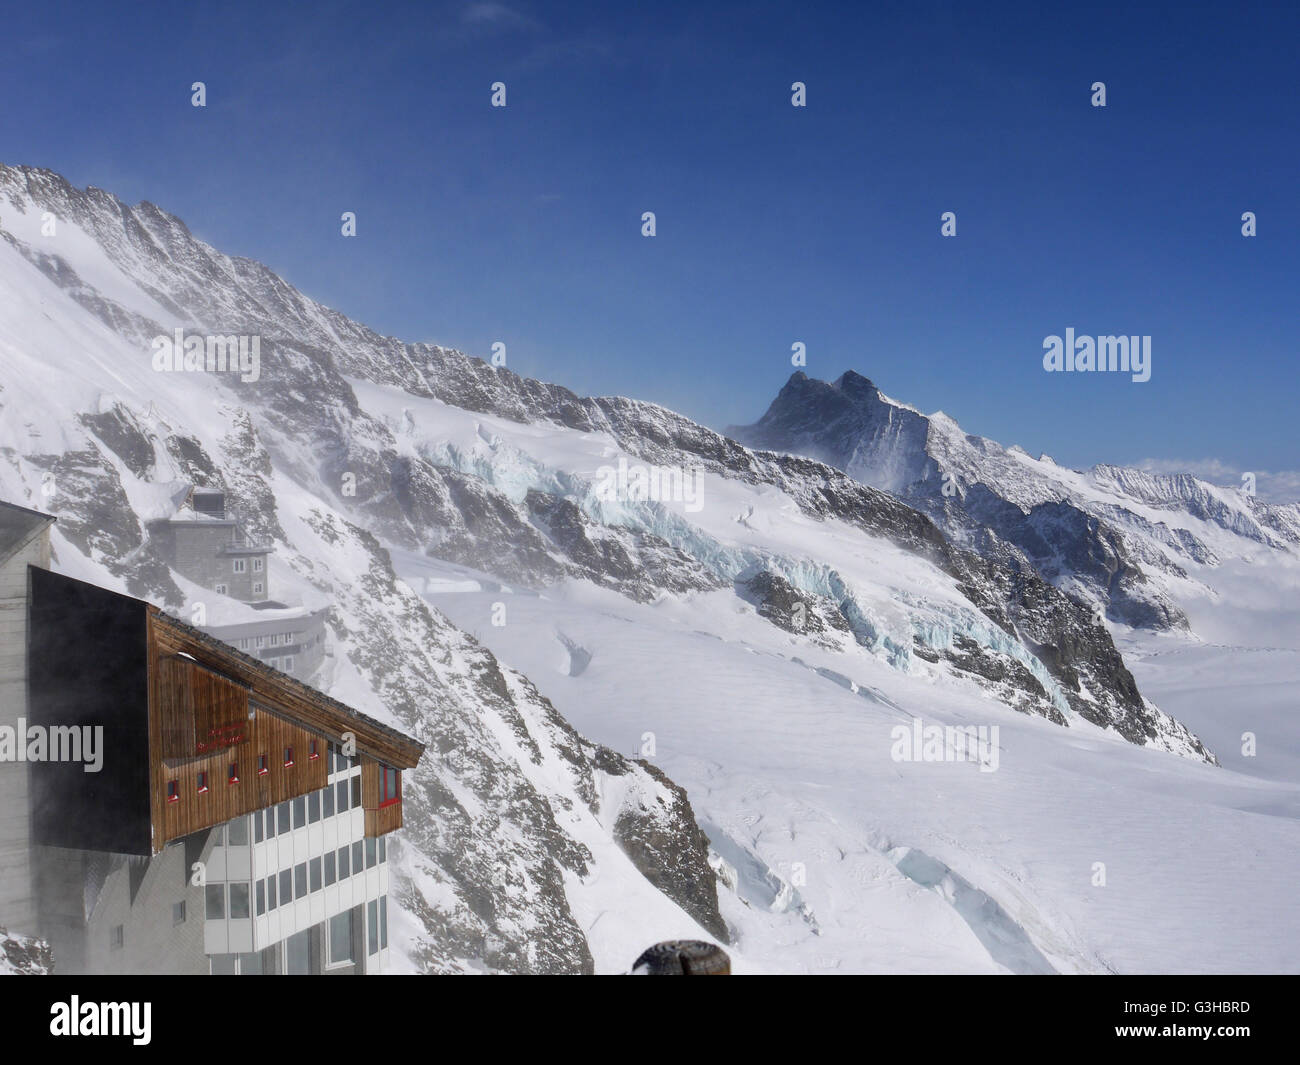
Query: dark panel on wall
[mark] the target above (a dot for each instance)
(88, 668)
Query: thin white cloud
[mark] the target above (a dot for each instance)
(1271, 486)
(490, 15)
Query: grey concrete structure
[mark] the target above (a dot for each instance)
(294, 644)
(24, 541)
(210, 548)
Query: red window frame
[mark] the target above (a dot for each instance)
(313, 750)
(202, 781)
(173, 791)
(288, 757)
(385, 799)
(232, 777)
(263, 765)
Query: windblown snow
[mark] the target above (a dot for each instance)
(487, 596)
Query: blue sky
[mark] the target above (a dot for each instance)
(775, 224)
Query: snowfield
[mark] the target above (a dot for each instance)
(787, 769)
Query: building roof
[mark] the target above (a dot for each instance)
(17, 527)
(301, 702)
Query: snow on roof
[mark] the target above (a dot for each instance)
(18, 525)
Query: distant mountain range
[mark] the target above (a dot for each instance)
(1116, 538)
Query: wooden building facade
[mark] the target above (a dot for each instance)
(195, 733)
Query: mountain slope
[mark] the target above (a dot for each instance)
(518, 830)
(759, 648)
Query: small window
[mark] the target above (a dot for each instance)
(372, 852)
(238, 901)
(263, 765)
(261, 641)
(300, 880)
(270, 892)
(178, 912)
(358, 861)
(390, 785)
(232, 777)
(215, 900)
(299, 812)
(243, 644)
(331, 873)
(313, 750)
(173, 791)
(261, 897)
(203, 781)
(258, 565)
(383, 921)
(258, 834)
(356, 792)
(286, 886)
(237, 832)
(221, 589)
(240, 565)
(288, 664)
(258, 586)
(341, 794)
(117, 937)
(345, 865)
(288, 757)
(282, 818)
(340, 938)
(327, 802)
(313, 807)
(383, 849)
(372, 925)
(314, 871)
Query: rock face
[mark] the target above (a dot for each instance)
(24, 956)
(1097, 535)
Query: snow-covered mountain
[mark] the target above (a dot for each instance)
(757, 626)
(1123, 540)
(519, 832)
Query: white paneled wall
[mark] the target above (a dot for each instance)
(251, 863)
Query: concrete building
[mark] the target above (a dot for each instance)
(24, 541)
(208, 546)
(290, 639)
(204, 812)
(206, 543)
